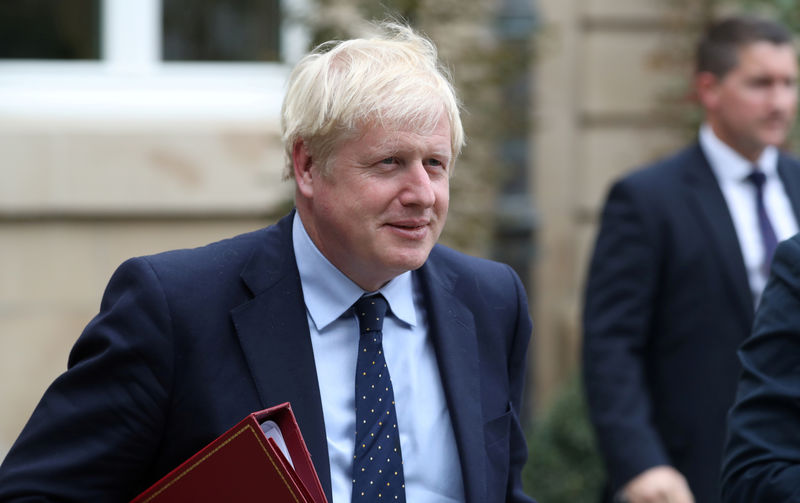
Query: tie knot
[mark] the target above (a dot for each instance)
(370, 311)
(757, 178)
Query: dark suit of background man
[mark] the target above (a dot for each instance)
(188, 342)
(762, 453)
(679, 265)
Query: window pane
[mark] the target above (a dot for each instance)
(50, 29)
(221, 30)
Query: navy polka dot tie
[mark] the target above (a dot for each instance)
(377, 460)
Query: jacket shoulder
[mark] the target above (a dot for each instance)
(789, 159)
(233, 252)
(666, 170)
(465, 272)
(218, 256)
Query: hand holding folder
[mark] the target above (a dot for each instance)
(246, 463)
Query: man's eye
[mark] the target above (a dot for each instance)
(437, 164)
(389, 160)
(761, 82)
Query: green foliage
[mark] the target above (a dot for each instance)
(785, 11)
(564, 466)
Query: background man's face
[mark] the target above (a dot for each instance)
(754, 105)
(384, 203)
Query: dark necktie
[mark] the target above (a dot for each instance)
(377, 460)
(757, 178)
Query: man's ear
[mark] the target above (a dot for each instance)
(706, 86)
(302, 164)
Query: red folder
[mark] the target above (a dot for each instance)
(243, 464)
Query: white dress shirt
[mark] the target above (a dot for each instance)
(731, 171)
(430, 458)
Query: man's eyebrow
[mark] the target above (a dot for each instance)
(446, 153)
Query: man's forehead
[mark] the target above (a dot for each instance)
(763, 58)
(763, 51)
(387, 134)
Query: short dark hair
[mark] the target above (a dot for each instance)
(717, 52)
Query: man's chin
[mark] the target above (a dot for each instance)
(775, 137)
(410, 260)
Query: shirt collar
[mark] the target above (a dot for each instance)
(399, 293)
(328, 293)
(728, 164)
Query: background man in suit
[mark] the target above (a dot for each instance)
(188, 342)
(762, 453)
(679, 265)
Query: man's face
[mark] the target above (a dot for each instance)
(383, 204)
(754, 104)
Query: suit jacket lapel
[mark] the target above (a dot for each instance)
(790, 176)
(709, 203)
(273, 331)
(452, 329)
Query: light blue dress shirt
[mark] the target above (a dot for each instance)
(430, 458)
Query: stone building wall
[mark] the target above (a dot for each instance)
(611, 94)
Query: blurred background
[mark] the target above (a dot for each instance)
(130, 127)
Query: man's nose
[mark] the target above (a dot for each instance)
(418, 189)
(784, 96)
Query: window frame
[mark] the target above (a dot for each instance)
(131, 83)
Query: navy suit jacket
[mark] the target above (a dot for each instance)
(188, 342)
(762, 455)
(667, 305)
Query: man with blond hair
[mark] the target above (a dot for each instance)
(190, 341)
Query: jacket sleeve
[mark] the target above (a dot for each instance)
(97, 426)
(761, 461)
(621, 290)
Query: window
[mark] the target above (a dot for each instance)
(147, 59)
(50, 29)
(218, 30)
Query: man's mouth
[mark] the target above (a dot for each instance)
(412, 229)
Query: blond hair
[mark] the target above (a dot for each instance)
(393, 79)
